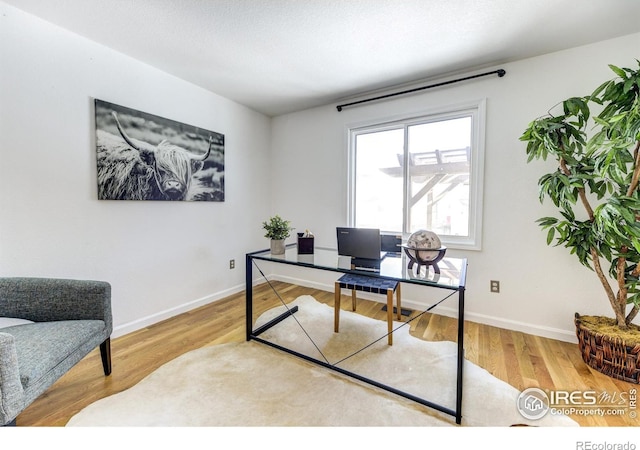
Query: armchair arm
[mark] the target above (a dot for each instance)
(51, 299)
(11, 392)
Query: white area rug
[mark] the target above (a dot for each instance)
(252, 384)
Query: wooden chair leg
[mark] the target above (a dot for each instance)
(398, 303)
(354, 300)
(105, 353)
(390, 315)
(336, 308)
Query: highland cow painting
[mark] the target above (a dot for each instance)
(145, 157)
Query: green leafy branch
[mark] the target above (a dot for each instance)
(602, 168)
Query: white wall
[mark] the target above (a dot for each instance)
(160, 257)
(541, 287)
(163, 257)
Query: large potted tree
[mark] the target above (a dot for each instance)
(595, 141)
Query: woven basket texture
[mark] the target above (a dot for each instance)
(608, 354)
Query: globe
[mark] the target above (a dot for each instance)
(423, 239)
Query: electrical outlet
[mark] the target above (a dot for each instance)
(495, 286)
(232, 264)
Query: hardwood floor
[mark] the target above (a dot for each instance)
(519, 359)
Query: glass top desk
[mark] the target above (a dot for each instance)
(449, 275)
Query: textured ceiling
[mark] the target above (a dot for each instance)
(279, 56)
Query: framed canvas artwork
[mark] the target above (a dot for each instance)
(141, 156)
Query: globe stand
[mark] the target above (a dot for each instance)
(413, 252)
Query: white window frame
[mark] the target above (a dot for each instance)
(477, 109)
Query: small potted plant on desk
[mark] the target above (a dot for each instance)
(278, 230)
(599, 174)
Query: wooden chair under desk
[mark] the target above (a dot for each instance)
(368, 284)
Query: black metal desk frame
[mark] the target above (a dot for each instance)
(405, 277)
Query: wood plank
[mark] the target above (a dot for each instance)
(519, 359)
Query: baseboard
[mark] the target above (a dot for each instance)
(138, 324)
(535, 330)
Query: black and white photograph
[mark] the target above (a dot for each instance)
(141, 156)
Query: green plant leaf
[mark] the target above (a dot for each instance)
(621, 73)
(550, 235)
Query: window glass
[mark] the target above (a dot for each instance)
(420, 173)
(439, 157)
(379, 195)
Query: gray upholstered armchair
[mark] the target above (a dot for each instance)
(49, 325)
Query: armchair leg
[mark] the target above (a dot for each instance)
(105, 353)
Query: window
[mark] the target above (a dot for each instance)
(422, 172)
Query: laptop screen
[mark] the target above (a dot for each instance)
(361, 243)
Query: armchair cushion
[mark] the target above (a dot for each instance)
(11, 390)
(43, 345)
(12, 321)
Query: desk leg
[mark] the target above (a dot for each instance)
(248, 282)
(336, 307)
(460, 355)
(250, 332)
(399, 302)
(390, 316)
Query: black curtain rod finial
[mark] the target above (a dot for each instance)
(501, 72)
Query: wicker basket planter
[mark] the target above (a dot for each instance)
(608, 354)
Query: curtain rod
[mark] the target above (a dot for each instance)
(499, 72)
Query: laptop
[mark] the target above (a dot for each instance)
(363, 245)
